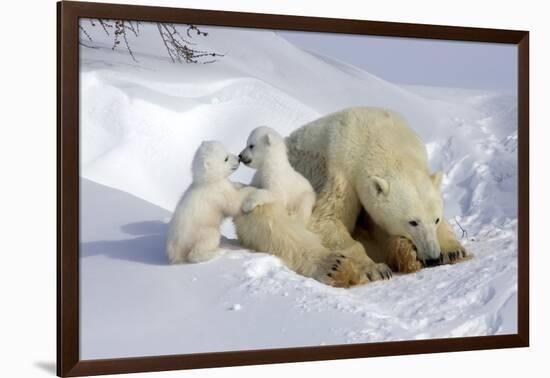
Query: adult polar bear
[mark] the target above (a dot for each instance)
(378, 204)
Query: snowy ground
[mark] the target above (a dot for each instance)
(140, 124)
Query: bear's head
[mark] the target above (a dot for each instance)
(212, 162)
(409, 205)
(262, 144)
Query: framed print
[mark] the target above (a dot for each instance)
(238, 188)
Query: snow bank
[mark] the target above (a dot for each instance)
(134, 304)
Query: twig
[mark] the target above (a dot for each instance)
(105, 25)
(120, 30)
(464, 232)
(165, 43)
(178, 48)
(85, 33)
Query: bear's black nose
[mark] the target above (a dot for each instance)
(240, 157)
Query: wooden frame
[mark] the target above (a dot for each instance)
(68, 361)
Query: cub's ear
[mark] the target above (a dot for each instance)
(268, 139)
(380, 186)
(437, 177)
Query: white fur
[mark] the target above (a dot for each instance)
(357, 159)
(386, 164)
(194, 228)
(278, 181)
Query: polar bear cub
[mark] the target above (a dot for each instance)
(275, 177)
(194, 234)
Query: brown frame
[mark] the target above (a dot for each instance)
(68, 360)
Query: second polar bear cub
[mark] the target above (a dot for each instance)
(194, 234)
(275, 177)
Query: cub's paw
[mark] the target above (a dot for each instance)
(249, 205)
(338, 270)
(377, 272)
(238, 185)
(402, 256)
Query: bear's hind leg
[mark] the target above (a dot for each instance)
(206, 246)
(338, 270)
(269, 228)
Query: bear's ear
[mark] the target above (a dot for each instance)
(437, 177)
(380, 185)
(268, 139)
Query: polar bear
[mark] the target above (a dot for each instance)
(266, 152)
(378, 203)
(194, 235)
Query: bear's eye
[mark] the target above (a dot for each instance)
(251, 146)
(413, 223)
(437, 221)
(226, 158)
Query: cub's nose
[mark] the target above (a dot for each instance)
(240, 157)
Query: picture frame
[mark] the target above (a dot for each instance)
(69, 362)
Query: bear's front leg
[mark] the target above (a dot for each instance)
(206, 246)
(451, 249)
(401, 255)
(348, 264)
(257, 198)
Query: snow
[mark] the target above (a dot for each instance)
(140, 124)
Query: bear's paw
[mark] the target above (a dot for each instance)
(338, 270)
(376, 272)
(451, 257)
(402, 257)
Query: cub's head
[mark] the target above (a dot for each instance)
(212, 162)
(410, 206)
(261, 144)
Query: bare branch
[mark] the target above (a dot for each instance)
(464, 232)
(104, 24)
(120, 31)
(179, 49)
(165, 43)
(85, 33)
